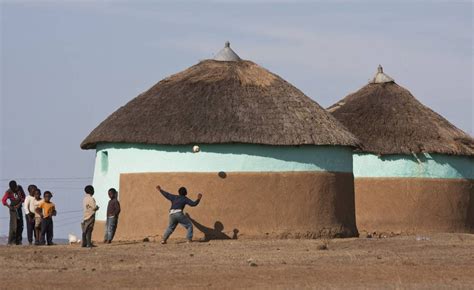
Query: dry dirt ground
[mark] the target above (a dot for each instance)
(443, 261)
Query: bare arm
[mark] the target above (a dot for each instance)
(118, 208)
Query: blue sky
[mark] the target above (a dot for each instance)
(66, 66)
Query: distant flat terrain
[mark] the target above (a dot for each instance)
(442, 261)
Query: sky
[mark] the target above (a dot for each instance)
(66, 66)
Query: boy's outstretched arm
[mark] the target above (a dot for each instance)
(167, 195)
(194, 203)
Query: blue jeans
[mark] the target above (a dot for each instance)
(110, 227)
(179, 218)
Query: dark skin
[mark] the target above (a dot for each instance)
(158, 187)
(47, 198)
(37, 195)
(32, 191)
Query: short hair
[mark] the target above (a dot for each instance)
(182, 191)
(114, 191)
(89, 189)
(31, 187)
(12, 184)
(48, 193)
(37, 190)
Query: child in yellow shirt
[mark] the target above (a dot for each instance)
(46, 209)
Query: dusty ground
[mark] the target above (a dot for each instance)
(444, 261)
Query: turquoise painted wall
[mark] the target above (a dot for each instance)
(423, 165)
(113, 159)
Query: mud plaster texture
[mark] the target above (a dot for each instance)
(239, 205)
(412, 205)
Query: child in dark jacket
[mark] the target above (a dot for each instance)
(177, 216)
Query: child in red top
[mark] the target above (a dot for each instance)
(13, 198)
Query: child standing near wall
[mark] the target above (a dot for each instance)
(46, 209)
(89, 207)
(113, 211)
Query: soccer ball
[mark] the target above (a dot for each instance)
(196, 149)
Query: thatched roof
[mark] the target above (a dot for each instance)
(388, 119)
(221, 102)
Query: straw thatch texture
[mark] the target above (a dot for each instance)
(388, 119)
(222, 102)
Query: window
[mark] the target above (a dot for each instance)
(104, 161)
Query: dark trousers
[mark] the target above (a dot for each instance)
(87, 228)
(16, 227)
(30, 228)
(110, 228)
(47, 231)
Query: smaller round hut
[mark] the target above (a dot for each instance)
(415, 170)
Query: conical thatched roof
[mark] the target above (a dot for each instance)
(388, 119)
(222, 102)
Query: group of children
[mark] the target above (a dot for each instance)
(39, 214)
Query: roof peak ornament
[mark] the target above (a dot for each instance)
(227, 54)
(380, 77)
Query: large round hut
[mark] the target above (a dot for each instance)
(268, 159)
(415, 170)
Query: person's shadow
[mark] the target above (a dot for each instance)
(213, 234)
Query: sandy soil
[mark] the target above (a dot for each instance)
(444, 261)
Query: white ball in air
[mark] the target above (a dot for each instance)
(196, 149)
